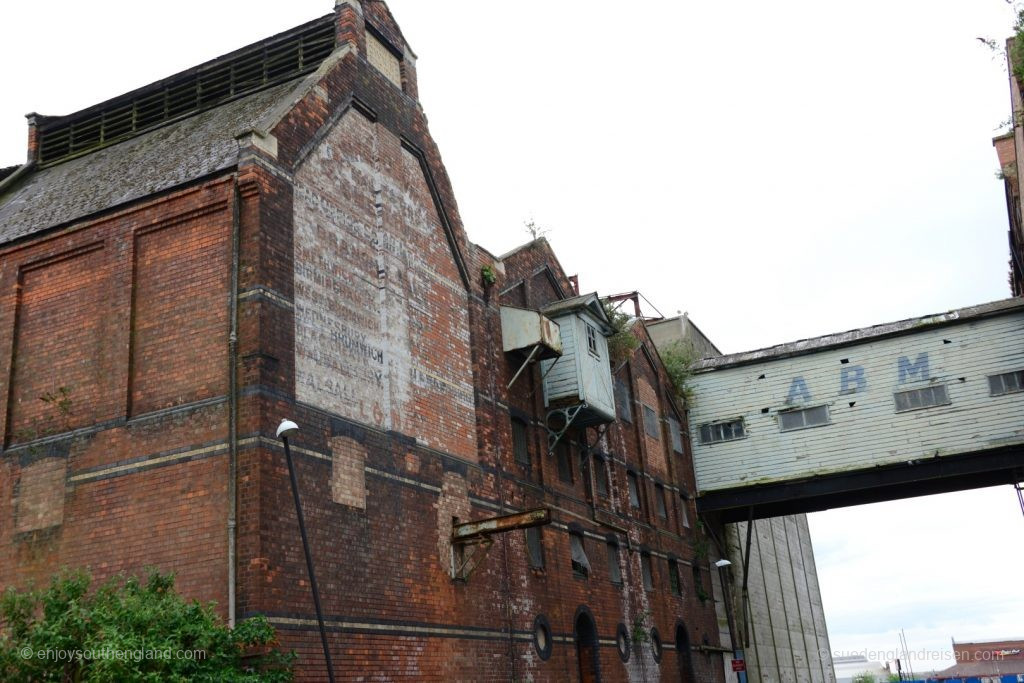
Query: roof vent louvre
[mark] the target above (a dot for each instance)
(250, 69)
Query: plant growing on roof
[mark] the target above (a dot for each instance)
(488, 274)
(678, 358)
(622, 342)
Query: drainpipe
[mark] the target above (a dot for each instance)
(236, 221)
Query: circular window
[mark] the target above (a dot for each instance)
(622, 642)
(542, 636)
(656, 644)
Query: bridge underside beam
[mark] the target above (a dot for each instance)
(906, 480)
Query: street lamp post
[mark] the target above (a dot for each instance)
(283, 430)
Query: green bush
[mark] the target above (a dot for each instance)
(678, 357)
(622, 342)
(126, 630)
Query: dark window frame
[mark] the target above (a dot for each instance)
(676, 432)
(534, 547)
(521, 441)
(646, 570)
(660, 502)
(579, 569)
(936, 396)
(1004, 380)
(592, 346)
(602, 484)
(633, 485)
(614, 557)
(675, 584)
(805, 416)
(723, 430)
(563, 462)
(623, 400)
(652, 421)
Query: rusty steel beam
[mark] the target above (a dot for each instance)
(462, 533)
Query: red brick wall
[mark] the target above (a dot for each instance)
(142, 289)
(180, 325)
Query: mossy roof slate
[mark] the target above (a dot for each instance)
(158, 160)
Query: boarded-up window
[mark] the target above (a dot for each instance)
(534, 548)
(520, 444)
(677, 435)
(383, 59)
(651, 422)
(623, 401)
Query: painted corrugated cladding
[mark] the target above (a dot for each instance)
(597, 373)
(578, 374)
(865, 430)
(562, 380)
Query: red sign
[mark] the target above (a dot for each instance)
(739, 665)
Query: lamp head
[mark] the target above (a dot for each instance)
(286, 428)
(722, 563)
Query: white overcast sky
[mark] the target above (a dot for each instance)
(779, 170)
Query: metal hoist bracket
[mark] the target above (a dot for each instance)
(471, 541)
(567, 416)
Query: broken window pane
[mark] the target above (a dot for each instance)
(713, 432)
(580, 563)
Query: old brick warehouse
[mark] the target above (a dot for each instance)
(273, 234)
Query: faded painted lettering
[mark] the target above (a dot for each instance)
(852, 380)
(798, 390)
(918, 369)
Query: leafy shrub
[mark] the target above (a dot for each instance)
(126, 630)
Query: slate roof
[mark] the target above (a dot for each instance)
(154, 161)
